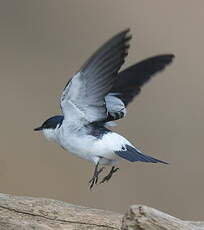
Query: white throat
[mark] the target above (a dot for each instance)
(50, 134)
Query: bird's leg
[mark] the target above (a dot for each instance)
(94, 179)
(107, 178)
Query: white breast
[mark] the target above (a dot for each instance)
(76, 142)
(86, 146)
(50, 134)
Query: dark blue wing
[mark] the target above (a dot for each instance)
(131, 154)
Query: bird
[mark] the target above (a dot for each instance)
(94, 98)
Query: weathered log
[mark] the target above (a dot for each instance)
(140, 217)
(26, 213)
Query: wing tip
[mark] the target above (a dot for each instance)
(125, 34)
(126, 30)
(165, 58)
(159, 161)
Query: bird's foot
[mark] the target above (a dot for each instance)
(107, 178)
(94, 179)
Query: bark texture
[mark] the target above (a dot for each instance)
(26, 213)
(140, 217)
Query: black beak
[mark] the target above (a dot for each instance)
(38, 129)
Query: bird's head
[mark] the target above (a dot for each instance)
(50, 125)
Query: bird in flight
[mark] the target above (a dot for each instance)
(94, 98)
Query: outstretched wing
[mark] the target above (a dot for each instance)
(129, 82)
(83, 97)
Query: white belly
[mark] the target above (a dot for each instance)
(91, 148)
(80, 146)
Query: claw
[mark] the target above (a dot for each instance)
(94, 179)
(107, 178)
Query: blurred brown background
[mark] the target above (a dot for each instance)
(43, 42)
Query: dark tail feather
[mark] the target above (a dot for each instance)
(132, 154)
